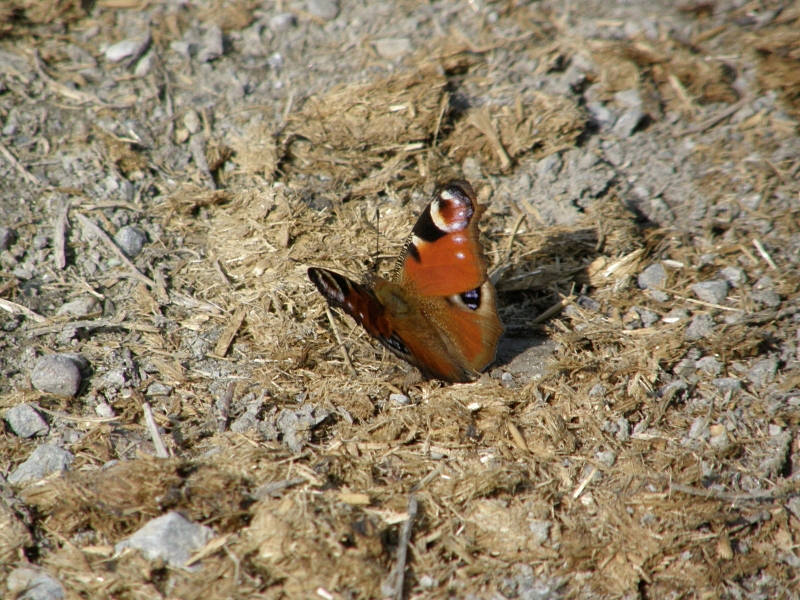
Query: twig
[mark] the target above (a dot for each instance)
(225, 402)
(480, 120)
(93, 324)
(103, 236)
(349, 362)
(427, 479)
(60, 236)
(393, 586)
(273, 487)
(66, 417)
(759, 495)
(519, 441)
(512, 237)
(13, 308)
(586, 481)
(553, 310)
(26, 175)
(225, 339)
(711, 121)
(764, 254)
(161, 450)
(197, 146)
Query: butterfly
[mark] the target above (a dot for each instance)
(438, 312)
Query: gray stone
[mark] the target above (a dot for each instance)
(733, 275)
(43, 461)
(296, 425)
(627, 123)
(80, 307)
(654, 276)
(282, 22)
(710, 365)
(323, 9)
(171, 538)
(675, 315)
(606, 457)
(598, 391)
(25, 583)
(211, 46)
(25, 421)
(540, 530)
(714, 291)
(158, 389)
(115, 379)
(700, 327)
(104, 410)
(124, 49)
(767, 297)
(658, 295)
(391, 48)
(727, 384)
(629, 98)
(601, 115)
(40, 241)
(56, 374)
(130, 240)
(400, 399)
(763, 372)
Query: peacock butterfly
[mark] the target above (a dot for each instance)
(438, 312)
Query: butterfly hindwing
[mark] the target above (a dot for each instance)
(440, 313)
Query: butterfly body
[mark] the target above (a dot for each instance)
(439, 311)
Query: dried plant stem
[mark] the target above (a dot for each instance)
(764, 254)
(161, 449)
(26, 175)
(393, 586)
(60, 236)
(349, 362)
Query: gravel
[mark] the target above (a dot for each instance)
(130, 240)
(26, 422)
(654, 276)
(25, 583)
(714, 291)
(763, 372)
(327, 10)
(43, 461)
(80, 307)
(701, 327)
(171, 538)
(56, 374)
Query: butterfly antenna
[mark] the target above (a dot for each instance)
(377, 231)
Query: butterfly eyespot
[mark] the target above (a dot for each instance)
(472, 298)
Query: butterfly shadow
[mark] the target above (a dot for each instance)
(530, 287)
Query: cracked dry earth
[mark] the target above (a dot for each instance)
(181, 418)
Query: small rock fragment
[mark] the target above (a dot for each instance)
(192, 121)
(710, 365)
(629, 98)
(25, 421)
(601, 115)
(768, 297)
(323, 9)
(675, 315)
(171, 538)
(211, 47)
(130, 240)
(733, 275)
(628, 123)
(80, 307)
(43, 461)
(104, 410)
(727, 384)
(714, 291)
(540, 530)
(763, 372)
(700, 327)
(400, 399)
(158, 389)
(654, 276)
(56, 374)
(606, 457)
(391, 48)
(25, 583)
(40, 242)
(124, 49)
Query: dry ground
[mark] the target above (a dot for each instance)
(627, 442)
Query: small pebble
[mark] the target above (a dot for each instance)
(104, 410)
(601, 115)
(763, 372)
(7, 237)
(158, 389)
(124, 49)
(211, 46)
(56, 374)
(700, 327)
(171, 538)
(391, 48)
(714, 291)
(323, 9)
(43, 461)
(628, 123)
(598, 391)
(80, 307)
(192, 121)
(540, 530)
(631, 98)
(675, 315)
(710, 365)
(282, 22)
(400, 399)
(26, 422)
(130, 240)
(606, 457)
(40, 242)
(25, 583)
(727, 384)
(654, 276)
(115, 379)
(733, 275)
(767, 297)
(658, 295)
